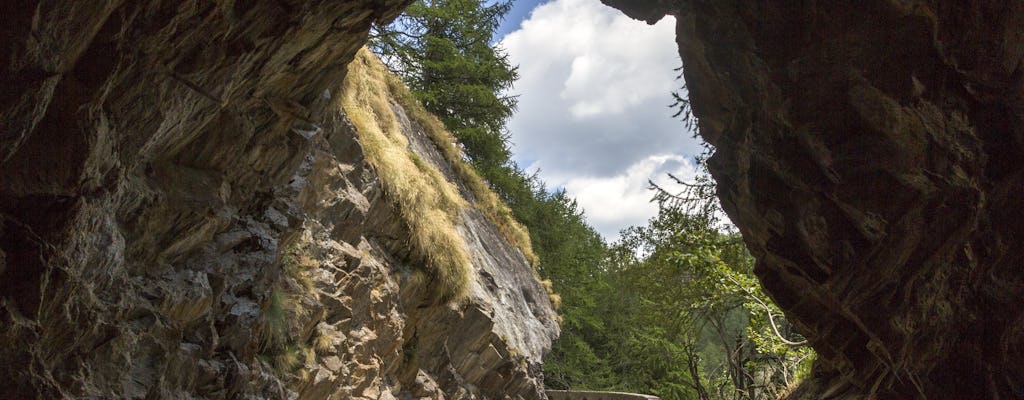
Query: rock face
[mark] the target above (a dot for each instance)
(185, 212)
(871, 153)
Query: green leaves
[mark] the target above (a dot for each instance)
(675, 310)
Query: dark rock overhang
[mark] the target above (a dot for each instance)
(871, 154)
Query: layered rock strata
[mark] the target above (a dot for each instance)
(871, 154)
(185, 212)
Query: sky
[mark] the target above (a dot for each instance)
(520, 11)
(593, 114)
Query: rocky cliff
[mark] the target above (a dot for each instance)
(871, 154)
(186, 211)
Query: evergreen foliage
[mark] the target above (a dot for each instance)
(442, 50)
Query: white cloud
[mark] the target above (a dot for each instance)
(594, 89)
(615, 202)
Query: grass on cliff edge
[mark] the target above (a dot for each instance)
(430, 205)
(486, 200)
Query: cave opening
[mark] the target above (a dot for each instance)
(192, 204)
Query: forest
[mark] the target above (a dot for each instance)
(672, 308)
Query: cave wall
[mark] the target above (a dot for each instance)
(872, 154)
(180, 190)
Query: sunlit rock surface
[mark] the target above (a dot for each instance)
(872, 153)
(177, 175)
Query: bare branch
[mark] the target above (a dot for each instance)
(771, 318)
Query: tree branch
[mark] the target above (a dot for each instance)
(771, 318)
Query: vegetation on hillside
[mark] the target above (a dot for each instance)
(428, 204)
(484, 198)
(674, 310)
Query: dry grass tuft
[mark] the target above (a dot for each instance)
(556, 299)
(283, 308)
(308, 355)
(429, 205)
(486, 200)
(277, 347)
(300, 267)
(548, 286)
(275, 341)
(324, 342)
(274, 321)
(287, 360)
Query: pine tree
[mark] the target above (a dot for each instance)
(442, 49)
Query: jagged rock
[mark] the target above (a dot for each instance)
(185, 212)
(870, 152)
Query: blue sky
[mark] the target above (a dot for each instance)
(593, 113)
(520, 10)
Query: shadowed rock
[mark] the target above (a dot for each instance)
(870, 153)
(185, 212)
